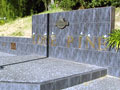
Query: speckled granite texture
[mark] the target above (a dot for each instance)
(11, 60)
(18, 86)
(105, 83)
(50, 74)
(2, 54)
(96, 22)
(24, 46)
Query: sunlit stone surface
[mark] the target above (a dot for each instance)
(105, 83)
(50, 70)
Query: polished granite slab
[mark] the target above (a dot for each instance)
(6, 54)
(105, 83)
(50, 73)
(11, 60)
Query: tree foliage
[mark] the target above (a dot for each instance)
(20, 8)
(70, 4)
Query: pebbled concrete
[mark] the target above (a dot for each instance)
(105, 83)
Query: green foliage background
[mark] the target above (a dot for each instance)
(20, 8)
(114, 39)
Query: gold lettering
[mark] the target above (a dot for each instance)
(100, 44)
(38, 39)
(43, 40)
(91, 43)
(53, 39)
(33, 39)
(70, 40)
(52, 42)
(80, 41)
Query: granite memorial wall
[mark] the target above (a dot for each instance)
(20, 46)
(74, 35)
(78, 36)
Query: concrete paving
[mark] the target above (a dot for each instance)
(105, 83)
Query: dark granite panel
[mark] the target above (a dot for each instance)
(61, 84)
(102, 14)
(48, 86)
(74, 80)
(103, 72)
(86, 77)
(96, 75)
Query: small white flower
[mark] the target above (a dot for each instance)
(33, 33)
(88, 35)
(45, 34)
(52, 33)
(81, 33)
(105, 36)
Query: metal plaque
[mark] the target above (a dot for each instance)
(13, 46)
(61, 23)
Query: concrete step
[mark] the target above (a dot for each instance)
(104, 83)
(47, 74)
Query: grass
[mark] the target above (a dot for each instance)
(19, 27)
(53, 11)
(23, 26)
(17, 33)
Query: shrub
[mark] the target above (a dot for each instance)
(103, 3)
(115, 3)
(114, 39)
(75, 4)
(2, 22)
(68, 4)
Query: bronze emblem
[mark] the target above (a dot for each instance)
(61, 23)
(13, 46)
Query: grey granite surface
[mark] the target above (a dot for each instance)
(9, 60)
(18, 86)
(96, 22)
(16, 39)
(23, 48)
(105, 83)
(6, 54)
(43, 70)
